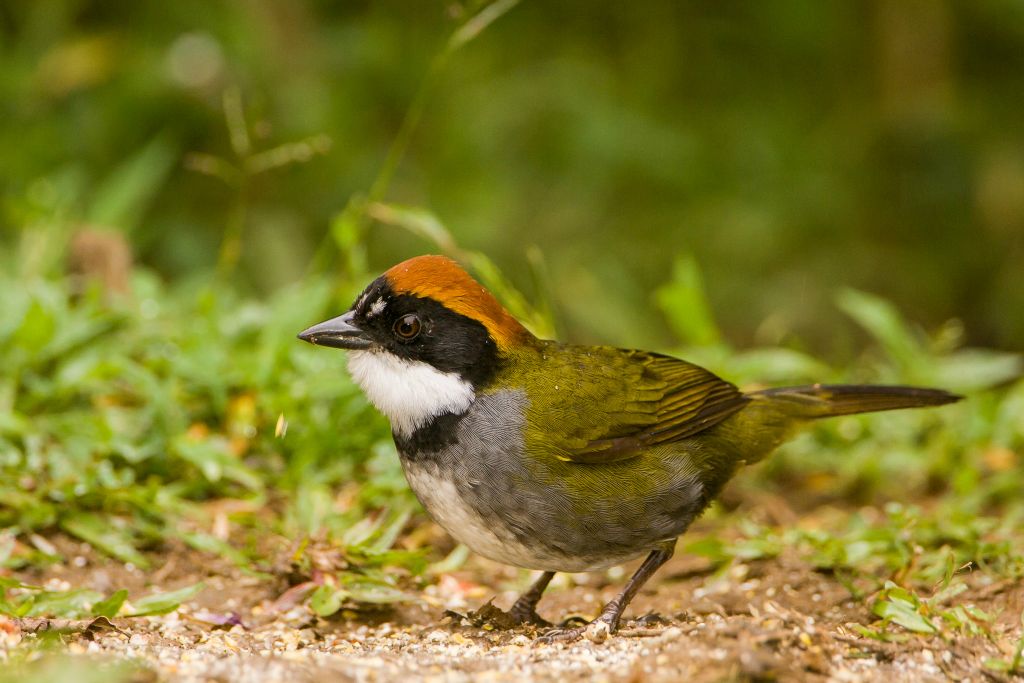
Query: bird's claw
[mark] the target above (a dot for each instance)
(596, 631)
(652, 619)
(514, 617)
(526, 617)
(561, 635)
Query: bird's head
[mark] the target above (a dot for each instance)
(423, 338)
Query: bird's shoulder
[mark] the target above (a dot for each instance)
(596, 404)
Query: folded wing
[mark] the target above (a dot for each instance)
(635, 400)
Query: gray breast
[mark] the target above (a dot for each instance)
(530, 512)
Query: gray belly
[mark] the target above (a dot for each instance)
(531, 512)
(484, 528)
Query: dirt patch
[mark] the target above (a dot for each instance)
(770, 619)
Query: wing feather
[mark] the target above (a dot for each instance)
(637, 400)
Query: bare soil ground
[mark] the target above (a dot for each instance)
(772, 619)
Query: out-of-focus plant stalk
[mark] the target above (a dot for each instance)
(349, 226)
(238, 175)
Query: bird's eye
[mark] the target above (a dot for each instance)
(407, 327)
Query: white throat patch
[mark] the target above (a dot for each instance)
(409, 393)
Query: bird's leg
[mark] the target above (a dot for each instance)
(608, 621)
(524, 610)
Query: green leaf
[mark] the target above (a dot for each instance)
(947, 593)
(67, 604)
(215, 461)
(685, 305)
(539, 321)
(326, 600)
(756, 548)
(362, 531)
(902, 607)
(163, 603)
(37, 328)
(416, 220)
(452, 562)
(348, 230)
(871, 633)
(111, 606)
(710, 547)
(365, 589)
(776, 365)
(121, 200)
(478, 23)
(213, 545)
(389, 533)
(975, 369)
(105, 535)
(414, 561)
(881, 319)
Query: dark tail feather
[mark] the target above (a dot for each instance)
(828, 400)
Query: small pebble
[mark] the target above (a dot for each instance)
(437, 637)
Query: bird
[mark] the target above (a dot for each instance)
(560, 457)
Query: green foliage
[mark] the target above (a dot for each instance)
(65, 669)
(377, 589)
(367, 550)
(749, 136)
(912, 358)
(885, 562)
(896, 605)
(916, 545)
(121, 415)
(906, 544)
(19, 600)
(685, 304)
(1015, 664)
(159, 603)
(111, 605)
(756, 543)
(121, 200)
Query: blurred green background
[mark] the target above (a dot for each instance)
(792, 148)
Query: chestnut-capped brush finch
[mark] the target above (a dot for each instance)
(553, 456)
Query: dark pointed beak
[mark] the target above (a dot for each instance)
(339, 333)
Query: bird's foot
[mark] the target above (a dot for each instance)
(597, 631)
(560, 635)
(518, 615)
(524, 615)
(652, 619)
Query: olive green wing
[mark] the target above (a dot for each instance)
(623, 402)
